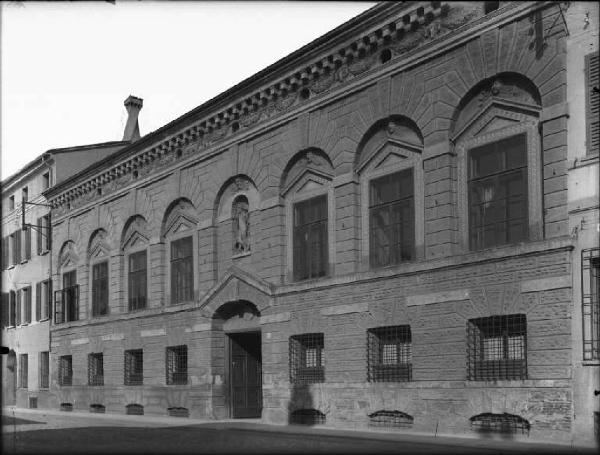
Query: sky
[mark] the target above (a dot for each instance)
(67, 67)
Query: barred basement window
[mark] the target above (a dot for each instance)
(307, 417)
(178, 412)
(390, 419)
(499, 423)
(498, 193)
(310, 238)
(65, 370)
(134, 409)
(497, 348)
(96, 369)
(182, 270)
(100, 289)
(44, 365)
(33, 402)
(177, 365)
(590, 291)
(134, 367)
(97, 408)
(306, 358)
(392, 219)
(23, 370)
(137, 280)
(68, 407)
(389, 357)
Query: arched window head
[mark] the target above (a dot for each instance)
(240, 218)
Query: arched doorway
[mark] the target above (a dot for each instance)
(239, 322)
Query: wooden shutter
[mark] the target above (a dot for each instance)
(38, 301)
(18, 307)
(27, 234)
(593, 104)
(39, 235)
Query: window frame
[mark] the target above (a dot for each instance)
(528, 125)
(176, 358)
(67, 293)
(128, 272)
(65, 365)
(93, 288)
(300, 371)
(26, 302)
(96, 364)
(191, 258)
(129, 357)
(324, 251)
(590, 304)
(23, 371)
(377, 369)
(44, 369)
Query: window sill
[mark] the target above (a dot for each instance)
(43, 253)
(99, 316)
(590, 363)
(44, 319)
(10, 267)
(24, 261)
(241, 255)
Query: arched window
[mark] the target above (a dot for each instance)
(66, 300)
(308, 192)
(497, 142)
(98, 256)
(134, 245)
(391, 178)
(240, 218)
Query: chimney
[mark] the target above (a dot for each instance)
(133, 104)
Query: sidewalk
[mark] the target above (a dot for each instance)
(54, 419)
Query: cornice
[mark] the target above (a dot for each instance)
(407, 27)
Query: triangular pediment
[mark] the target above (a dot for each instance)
(98, 251)
(389, 153)
(496, 123)
(389, 160)
(309, 180)
(179, 222)
(236, 285)
(134, 240)
(68, 261)
(309, 185)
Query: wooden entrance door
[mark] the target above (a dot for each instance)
(246, 374)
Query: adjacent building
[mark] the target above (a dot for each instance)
(27, 262)
(377, 230)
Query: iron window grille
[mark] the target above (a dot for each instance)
(65, 370)
(27, 304)
(310, 238)
(392, 219)
(178, 412)
(306, 358)
(498, 193)
(134, 409)
(44, 366)
(499, 423)
(182, 270)
(33, 402)
(97, 408)
(497, 348)
(390, 419)
(134, 367)
(96, 369)
(389, 356)
(176, 365)
(100, 289)
(23, 370)
(137, 280)
(590, 291)
(66, 300)
(307, 417)
(67, 407)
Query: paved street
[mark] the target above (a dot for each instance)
(65, 433)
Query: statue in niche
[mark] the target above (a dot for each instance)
(241, 225)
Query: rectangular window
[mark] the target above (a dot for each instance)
(65, 370)
(43, 294)
(392, 219)
(100, 289)
(44, 364)
(590, 291)
(306, 358)
(5, 252)
(26, 305)
(38, 301)
(389, 357)
(96, 369)
(182, 270)
(27, 244)
(12, 308)
(134, 367)
(137, 280)
(5, 309)
(46, 181)
(497, 348)
(11, 202)
(43, 234)
(23, 370)
(177, 365)
(67, 306)
(310, 238)
(592, 72)
(16, 247)
(498, 193)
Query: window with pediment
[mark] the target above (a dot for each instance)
(134, 244)
(308, 192)
(178, 230)
(498, 146)
(98, 255)
(66, 299)
(388, 162)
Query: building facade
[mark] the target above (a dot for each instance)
(374, 231)
(26, 263)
